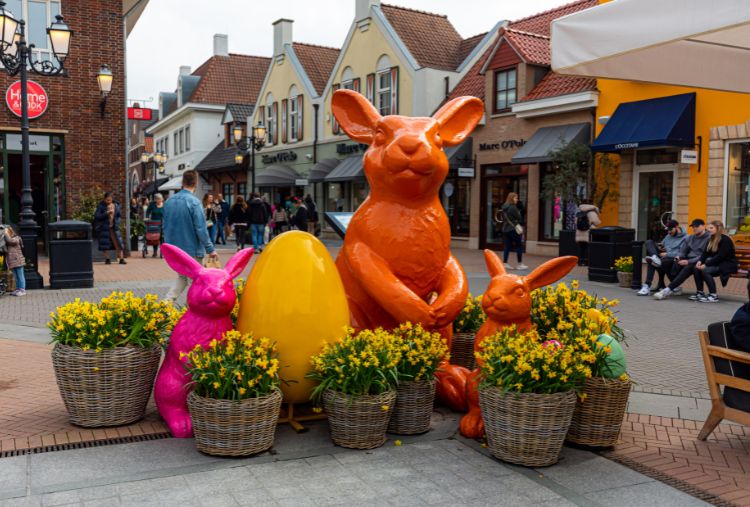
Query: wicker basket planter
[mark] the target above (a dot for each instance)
(462, 350)
(597, 420)
(526, 429)
(413, 412)
(107, 388)
(234, 428)
(625, 279)
(358, 422)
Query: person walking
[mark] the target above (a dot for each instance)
(258, 218)
(238, 220)
(155, 212)
(15, 260)
(222, 216)
(312, 214)
(280, 220)
(690, 254)
(135, 209)
(512, 231)
(587, 217)
(299, 220)
(107, 225)
(209, 211)
(661, 257)
(185, 227)
(718, 259)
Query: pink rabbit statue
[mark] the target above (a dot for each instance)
(210, 299)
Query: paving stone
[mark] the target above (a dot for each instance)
(644, 495)
(61, 498)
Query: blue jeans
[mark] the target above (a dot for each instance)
(256, 231)
(219, 232)
(511, 239)
(211, 232)
(20, 278)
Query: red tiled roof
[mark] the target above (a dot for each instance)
(540, 23)
(473, 82)
(318, 62)
(533, 48)
(554, 85)
(431, 38)
(232, 79)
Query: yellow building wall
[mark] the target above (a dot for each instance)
(362, 54)
(280, 81)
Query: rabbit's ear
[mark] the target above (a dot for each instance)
(458, 118)
(180, 262)
(238, 262)
(494, 265)
(356, 115)
(551, 271)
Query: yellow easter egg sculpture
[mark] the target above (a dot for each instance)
(294, 296)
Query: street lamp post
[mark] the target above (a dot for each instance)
(254, 143)
(157, 159)
(17, 58)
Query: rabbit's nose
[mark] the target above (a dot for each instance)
(409, 145)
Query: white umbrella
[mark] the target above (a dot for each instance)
(696, 43)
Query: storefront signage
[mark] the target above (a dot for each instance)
(345, 148)
(300, 183)
(282, 156)
(508, 144)
(688, 157)
(466, 172)
(39, 144)
(625, 146)
(38, 99)
(139, 113)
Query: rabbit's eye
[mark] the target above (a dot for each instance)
(379, 137)
(519, 291)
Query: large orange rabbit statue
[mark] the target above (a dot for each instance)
(396, 264)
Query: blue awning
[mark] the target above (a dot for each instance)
(666, 121)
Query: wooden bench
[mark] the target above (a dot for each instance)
(742, 252)
(725, 366)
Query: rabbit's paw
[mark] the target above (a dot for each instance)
(472, 425)
(181, 426)
(451, 386)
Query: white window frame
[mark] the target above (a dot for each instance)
(506, 91)
(39, 53)
(725, 201)
(187, 137)
(381, 92)
(293, 117)
(271, 125)
(176, 138)
(182, 141)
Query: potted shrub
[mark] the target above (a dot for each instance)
(137, 231)
(421, 353)
(465, 328)
(358, 378)
(527, 395)
(624, 268)
(106, 355)
(235, 398)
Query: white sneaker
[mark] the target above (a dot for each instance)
(656, 260)
(697, 296)
(508, 266)
(645, 290)
(677, 291)
(522, 266)
(711, 298)
(663, 294)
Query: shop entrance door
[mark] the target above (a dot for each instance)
(497, 182)
(654, 195)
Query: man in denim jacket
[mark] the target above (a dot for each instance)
(185, 227)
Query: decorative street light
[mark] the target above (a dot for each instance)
(253, 143)
(17, 57)
(104, 80)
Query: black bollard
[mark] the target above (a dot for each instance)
(637, 264)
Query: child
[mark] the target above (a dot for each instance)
(15, 260)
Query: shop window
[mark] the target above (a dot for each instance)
(335, 200)
(505, 89)
(227, 190)
(360, 189)
(187, 138)
(242, 190)
(551, 211)
(456, 199)
(738, 188)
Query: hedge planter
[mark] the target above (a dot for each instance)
(597, 419)
(462, 350)
(234, 428)
(526, 429)
(413, 412)
(107, 388)
(625, 279)
(358, 422)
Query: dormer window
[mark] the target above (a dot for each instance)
(505, 89)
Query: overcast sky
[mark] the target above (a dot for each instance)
(180, 32)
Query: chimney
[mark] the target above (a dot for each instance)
(221, 44)
(185, 70)
(282, 35)
(362, 9)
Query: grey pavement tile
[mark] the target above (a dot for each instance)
(61, 498)
(13, 476)
(220, 500)
(22, 501)
(98, 492)
(154, 486)
(645, 495)
(278, 492)
(296, 502)
(103, 502)
(257, 496)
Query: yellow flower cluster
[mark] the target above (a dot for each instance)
(239, 288)
(624, 264)
(118, 320)
(361, 363)
(471, 317)
(421, 352)
(237, 367)
(527, 363)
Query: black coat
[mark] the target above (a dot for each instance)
(740, 327)
(101, 226)
(256, 212)
(238, 215)
(300, 218)
(724, 258)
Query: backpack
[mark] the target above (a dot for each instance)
(582, 221)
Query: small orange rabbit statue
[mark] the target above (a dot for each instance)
(396, 254)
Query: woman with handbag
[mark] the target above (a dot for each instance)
(210, 213)
(513, 231)
(238, 220)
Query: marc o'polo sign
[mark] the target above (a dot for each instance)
(507, 144)
(38, 99)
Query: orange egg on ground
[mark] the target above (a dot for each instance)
(294, 296)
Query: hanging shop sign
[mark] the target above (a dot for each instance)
(508, 144)
(282, 156)
(38, 99)
(466, 172)
(139, 113)
(689, 157)
(37, 144)
(300, 182)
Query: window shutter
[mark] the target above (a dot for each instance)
(334, 123)
(299, 117)
(370, 88)
(275, 119)
(394, 90)
(284, 115)
(355, 85)
(261, 116)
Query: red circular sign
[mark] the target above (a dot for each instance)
(38, 99)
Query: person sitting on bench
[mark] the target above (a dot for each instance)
(717, 260)
(689, 256)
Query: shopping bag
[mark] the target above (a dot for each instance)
(211, 262)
